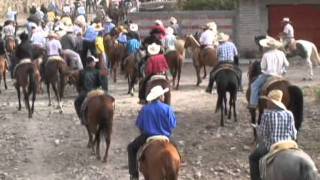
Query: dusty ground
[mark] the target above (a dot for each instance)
(53, 145)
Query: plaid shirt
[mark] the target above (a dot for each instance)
(277, 125)
(227, 51)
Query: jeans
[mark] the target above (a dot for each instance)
(256, 87)
(78, 103)
(143, 88)
(254, 159)
(87, 46)
(133, 149)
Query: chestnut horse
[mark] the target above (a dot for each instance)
(3, 71)
(160, 161)
(292, 96)
(55, 73)
(201, 58)
(25, 75)
(116, 52)
(99, 111)
(131, 71)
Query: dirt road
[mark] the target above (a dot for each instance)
(53, 146)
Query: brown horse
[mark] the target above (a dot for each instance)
(25, 75)
(131, 72)
(116, 53)
(201, 57)
(3, 71)
(99, 111)
(292, 96)
(160, 160)
(55, 73)
(163, 82)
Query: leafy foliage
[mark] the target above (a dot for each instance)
(210, 4)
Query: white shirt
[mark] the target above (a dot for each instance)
(273, 62)
(53, 47)
(8, 30)
(288, 29)
(207, 38)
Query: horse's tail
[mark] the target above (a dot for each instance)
(219, 102)
(62, 73)
(106, 121)
(32, 80)
(296, 104)
(170, 167)
(315, 55)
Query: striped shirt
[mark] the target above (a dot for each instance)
(227, 51)
(275, 126)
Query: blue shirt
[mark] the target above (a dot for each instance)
(133, 46)
(90, 34)
(122, 39)
(227, 51)
(156, 118)
(108, 27)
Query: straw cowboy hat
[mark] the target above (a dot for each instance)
(133, 27)
(222, 37)
(286, 19)
(270, 42)
(275, 96)
(108, 19)
(173, 20)
(122, 29)
(98, 27)
(154, 49)
(156, 92)
(211, 25)
(169, 30)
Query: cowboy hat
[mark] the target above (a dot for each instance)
(98, 27)
(222, 37)
(173, 20)
(80, 20)
(133, 27)
(275, 96)
(169, 30)
(286, 19)
(122, 29)
(158, 22)
(270, 42)
(154, 49)
(92, 59)
(156, 92)
(211, 25)
(108, 19)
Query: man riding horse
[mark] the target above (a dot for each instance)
(227, 54)
(277, 124)
(273, 64)
(208, 37)
(287, 35)
(154, 119)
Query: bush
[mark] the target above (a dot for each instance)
(210, 4)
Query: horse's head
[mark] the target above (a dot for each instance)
(191, 42)
(254, 70)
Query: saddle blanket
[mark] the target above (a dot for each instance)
(148, 142)
(22, 61)
(157, 77)
(55, 58)
(274, 150)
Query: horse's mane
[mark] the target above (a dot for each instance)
(254, 69)
(194, 40)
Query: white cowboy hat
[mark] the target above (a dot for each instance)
(108, 19)
(169, 30)
(286, 19)
(133, 27)
(211, 25)
(222, 37)
(270, 42)
(158, 22)
(275, 96)
(154, 49)
(173, 20)
(156, 92)
(92, 59)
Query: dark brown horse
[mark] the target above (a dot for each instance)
(201, 57)
(131, 72)
(25, 75)
(292, 96)
(55, 74)
(163, 82)
(99, 113)
(3, 71)
(116, 53)
(159, 161)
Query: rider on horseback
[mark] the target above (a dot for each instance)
(208, 36)
(156, 65)
(227, 54)
(273, 63)
(277, 124)
(154, 119)
(288, 32)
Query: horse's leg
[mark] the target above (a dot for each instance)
(48, 91)
(90, 138)
(222, 111)
(179, 73)
(204, 72)
(19, 96)
(108, 139)
(55, 90)
(129, 84)
(253, 121)
(5, 80)
(309, 65)
(225, 103)
(97, 141)
(230, 106)
(0, 81)
(199, 80)
(26, 101)
(234, 100)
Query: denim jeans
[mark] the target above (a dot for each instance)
(133, 149)
(254, 160)
(256, 87)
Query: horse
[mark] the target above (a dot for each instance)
(305, 49)
(131, 70)
(99, 111)
(3, 71)
(160, 160)
(175, 61)
(227, 81)
(201, 58)
(116, 52)
(163, 82)
(25, 74)
(55, 73)
(292, 96)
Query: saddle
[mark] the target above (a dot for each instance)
(22, 61)
(270, 81)
(148, 142)
(225, 66)
(90, 95)
(275, 149)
